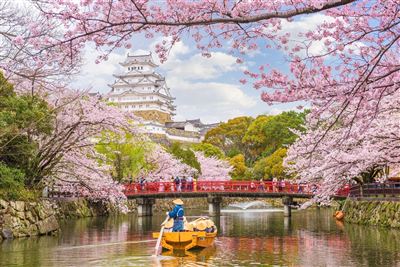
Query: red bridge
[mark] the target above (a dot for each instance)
(146, 193)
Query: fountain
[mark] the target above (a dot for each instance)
(246, 205)
(250, 206)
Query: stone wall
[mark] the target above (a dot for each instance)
(81, 208)
(20, 219)
(379, 213)
(153, 115)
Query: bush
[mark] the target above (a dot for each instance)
(11, 182)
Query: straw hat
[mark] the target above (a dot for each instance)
(178, 201)
(169, 223)
(201, 225)
(210, 223)
(188, 227)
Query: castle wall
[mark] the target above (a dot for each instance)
(154, 115)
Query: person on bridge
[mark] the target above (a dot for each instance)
(177, 214)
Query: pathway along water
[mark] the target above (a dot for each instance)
(309, 238)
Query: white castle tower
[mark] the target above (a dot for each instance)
(143, 91)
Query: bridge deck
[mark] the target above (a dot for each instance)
(223, 188)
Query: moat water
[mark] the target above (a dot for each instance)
(246, 238)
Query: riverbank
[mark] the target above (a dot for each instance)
(373, 212)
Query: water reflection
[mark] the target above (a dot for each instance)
(187, 258)
(309, 238)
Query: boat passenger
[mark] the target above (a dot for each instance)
(177, 214)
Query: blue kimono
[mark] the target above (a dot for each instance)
(177, 214)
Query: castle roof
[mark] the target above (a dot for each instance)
(139, 59)
(180, 124)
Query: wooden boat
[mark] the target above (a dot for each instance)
(186, 240)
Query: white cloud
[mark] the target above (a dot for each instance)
(210, 101)
(198, 67)
(97, 76)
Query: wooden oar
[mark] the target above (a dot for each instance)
(160, 236)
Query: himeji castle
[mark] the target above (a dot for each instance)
(140, 89)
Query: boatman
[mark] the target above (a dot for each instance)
(177, 214)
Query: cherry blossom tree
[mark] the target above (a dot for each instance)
(334, 164)
(67, 158)
(212, 168)
(165, 166)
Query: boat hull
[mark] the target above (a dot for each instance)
(186, 240)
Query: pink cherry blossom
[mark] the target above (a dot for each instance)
(213, 169)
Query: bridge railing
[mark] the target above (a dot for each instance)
(219, 186)
(390, 189)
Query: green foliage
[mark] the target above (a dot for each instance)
(255, 138)
(125, 154)
(186, 155)
(239, 167)
(11, 182)
(277, 130)
(228, 136)
(271, 166)
(23, 120)
(209, 150)
(274, 165)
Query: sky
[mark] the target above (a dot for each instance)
(205, 88)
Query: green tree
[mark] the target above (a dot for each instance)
(255, 138)
(124, 153)
(228, 136)
(11, 182)
(278, 133)
(209, 150)
(24, 119)
(239, 167)
(271, 166)
(186, 155)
